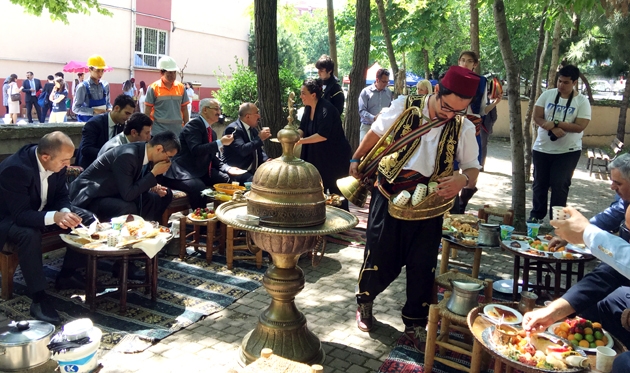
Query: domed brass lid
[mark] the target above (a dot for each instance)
(287, 192)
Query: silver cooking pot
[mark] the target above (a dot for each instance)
(23, 344)
(489, 234)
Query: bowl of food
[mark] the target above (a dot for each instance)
(228, 188)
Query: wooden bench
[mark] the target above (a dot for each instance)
(600, 159)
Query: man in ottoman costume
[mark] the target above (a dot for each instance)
(392, 243)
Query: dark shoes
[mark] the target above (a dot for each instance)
(44, 311)
(417, 335)
(71, 282)
(133, 273)
(365, 320)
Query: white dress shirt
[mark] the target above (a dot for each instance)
(49, 218)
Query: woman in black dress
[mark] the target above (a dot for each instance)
(324, 143)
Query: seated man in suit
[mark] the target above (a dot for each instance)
(118, 183)
(137, 128)
(198, 165)
(34, 198)
(246, 151)
(103, 127)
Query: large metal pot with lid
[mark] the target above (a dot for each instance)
(24, 344)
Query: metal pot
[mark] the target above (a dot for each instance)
(464, 297)
(489, 234)
(23, 344)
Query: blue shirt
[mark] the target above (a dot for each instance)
(372, 101)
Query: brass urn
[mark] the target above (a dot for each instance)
(287, 192)
(287, 199)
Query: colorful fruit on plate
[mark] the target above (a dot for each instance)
(203, 213)
(582, 332)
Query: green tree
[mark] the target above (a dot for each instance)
(59, 9)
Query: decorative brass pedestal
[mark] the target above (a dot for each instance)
(282, 327)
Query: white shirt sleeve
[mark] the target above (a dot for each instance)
(467, 147)
(608, 248)
(388, 116)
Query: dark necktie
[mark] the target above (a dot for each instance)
(252, 135)
(210, 140)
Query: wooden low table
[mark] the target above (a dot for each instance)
(215, 231)
(125, 255)
(478, 324)
(448, 243)
(546, 268)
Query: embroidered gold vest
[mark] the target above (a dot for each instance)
(391, 164)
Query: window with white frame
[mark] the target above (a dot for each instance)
(150, 46)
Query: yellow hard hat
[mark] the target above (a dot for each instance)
(96, 62)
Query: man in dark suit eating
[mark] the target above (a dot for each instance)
(198, 164)
(34, 198)
(118, 182)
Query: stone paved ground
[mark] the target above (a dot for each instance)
(328, 297)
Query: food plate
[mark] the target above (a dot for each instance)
(512, 244)
(518, 237)
(190, 216)
(448, 230)
(486, 336)
(511, 316)
(544, 238)
(610, 343)
(566, 255)
(581, 249)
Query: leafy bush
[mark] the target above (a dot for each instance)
(242, 87)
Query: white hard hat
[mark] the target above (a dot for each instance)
(167, 63)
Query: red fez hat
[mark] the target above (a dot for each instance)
(460, 80)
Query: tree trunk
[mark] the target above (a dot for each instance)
(575, 30)
(623, 109)
(427, 72)
(527, 127)
(587, 86)
(332, 38)
(357, 73)
(266, 40)
(474, 31)
(390, 48)
(516, 128)
(555, 54)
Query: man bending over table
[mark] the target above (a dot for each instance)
(602, 295)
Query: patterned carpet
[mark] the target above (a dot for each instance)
(355, 236)
(187, 292)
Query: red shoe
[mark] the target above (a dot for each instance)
(365, 320)
(417, 335)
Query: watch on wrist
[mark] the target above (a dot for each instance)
(556, 123)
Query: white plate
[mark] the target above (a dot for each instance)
(542, 238)
(611, 342)
(506, 286)
(487, 311)
(561, 255)
(579, 249)
(524, 245)
(518, 237)
(193, 219)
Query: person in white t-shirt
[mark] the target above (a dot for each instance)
(561, 114)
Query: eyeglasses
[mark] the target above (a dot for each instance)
(167, 156)
(445, 107)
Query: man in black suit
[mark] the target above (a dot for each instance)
(30, 87)
(100, 128)
(118, 182)
(246, 152)
(198, 164)
(34, 198)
